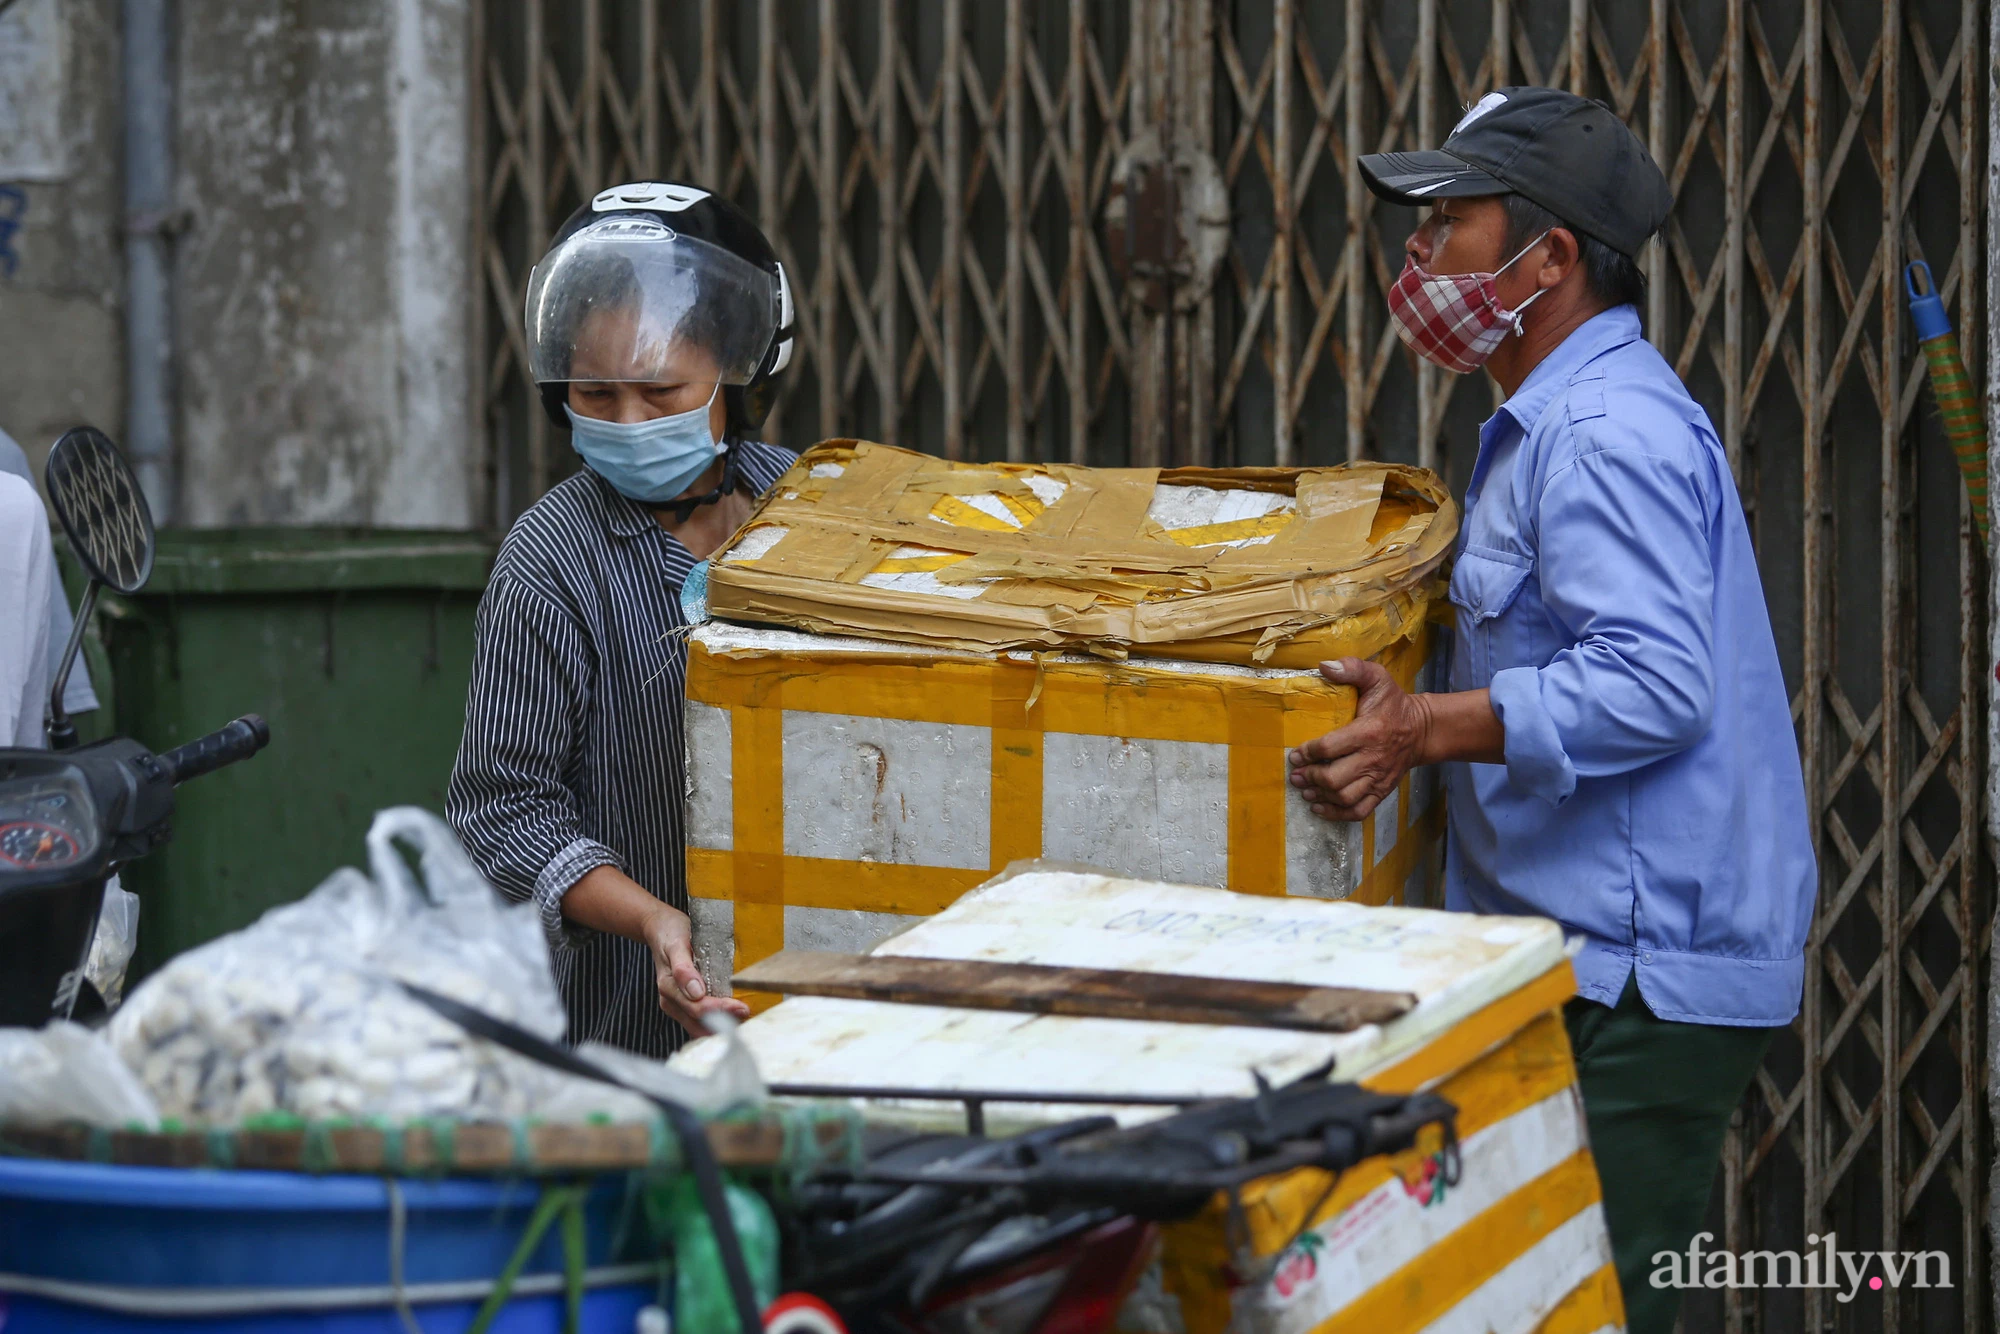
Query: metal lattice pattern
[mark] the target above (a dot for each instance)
(935, 175)
(927, 172)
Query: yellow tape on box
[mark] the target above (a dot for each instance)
(1517, 1242)
(839, 787)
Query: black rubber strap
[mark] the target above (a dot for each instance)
(731, 477)
(694, 1139)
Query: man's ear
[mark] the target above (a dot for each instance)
(1562, 259)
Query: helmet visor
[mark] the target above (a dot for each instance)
(631, 299)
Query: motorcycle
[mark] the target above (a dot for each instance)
(1049, 1232)
(71, 815)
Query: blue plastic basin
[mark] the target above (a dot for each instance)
(175, 1230)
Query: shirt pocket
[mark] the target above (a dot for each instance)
(1484, 584)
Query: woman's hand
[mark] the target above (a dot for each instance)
(606, 899)
(683, 995)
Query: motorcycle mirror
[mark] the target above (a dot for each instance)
(101, 508)
(104, 514)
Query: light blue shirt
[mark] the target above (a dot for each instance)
(1607, 594)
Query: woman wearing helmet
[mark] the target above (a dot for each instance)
(655, 324)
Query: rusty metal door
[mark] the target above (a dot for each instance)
(1131, 231)
(1814, 146)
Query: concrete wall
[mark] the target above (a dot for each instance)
(322, 284)
(62, 350)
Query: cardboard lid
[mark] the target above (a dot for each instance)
(864, 539)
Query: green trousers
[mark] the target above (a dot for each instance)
(1658, 1097)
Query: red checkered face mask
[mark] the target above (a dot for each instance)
(1455, 319)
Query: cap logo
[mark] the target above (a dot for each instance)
(1480, 108)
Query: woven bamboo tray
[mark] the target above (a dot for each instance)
(790, 1139)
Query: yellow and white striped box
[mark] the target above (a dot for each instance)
(841, 788)
(1515, 1243)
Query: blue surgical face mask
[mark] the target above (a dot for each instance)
(651, 461)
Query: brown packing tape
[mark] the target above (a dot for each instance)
(906, 617)
(1336, 514)
(1099, 569)
(752, 594)
(968, 482)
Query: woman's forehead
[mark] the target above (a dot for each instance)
(611, 346)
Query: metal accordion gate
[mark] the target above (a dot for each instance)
(1131, 232)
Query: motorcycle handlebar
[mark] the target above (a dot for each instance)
(203, 755)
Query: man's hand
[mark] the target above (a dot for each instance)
(683, 995)
(1346, 773)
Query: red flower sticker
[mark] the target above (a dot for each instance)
(1427, 1187)
(1298, 1264)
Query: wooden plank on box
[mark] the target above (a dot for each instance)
(1098, 993)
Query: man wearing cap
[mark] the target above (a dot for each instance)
(1617, 737)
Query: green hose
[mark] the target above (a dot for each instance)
(1958, 403)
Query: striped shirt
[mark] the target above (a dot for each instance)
(572, 757)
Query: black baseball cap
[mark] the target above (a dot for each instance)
(1567, 153)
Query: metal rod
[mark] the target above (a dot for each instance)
(770, 175)
(590, 100)
(1195, 113)
(1148, 369)
(651, 89)
(1734, 203)
(149, 203)
(1015, 191)
(1076, 279)
(951, 276)
(770, 183)
(980, 1096)
(61, 732)
(1974, 169)
(1579, 47)
(826, 279)
(1282, 230)
(1894, 571)
(1427, 96)
(889, 227)
(1814, 631)
(478, 403)
(708, 84)
(1656, 144)
(1356, 267)
(535, 188)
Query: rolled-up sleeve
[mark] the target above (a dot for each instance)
(1624, 565)
(508, 801)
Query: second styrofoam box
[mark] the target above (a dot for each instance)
(841, 788)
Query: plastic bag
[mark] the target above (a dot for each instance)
(300, 1012)
(733, 1082)
(112, 946)
(66, 1073)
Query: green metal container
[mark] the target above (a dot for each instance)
(356, 646)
